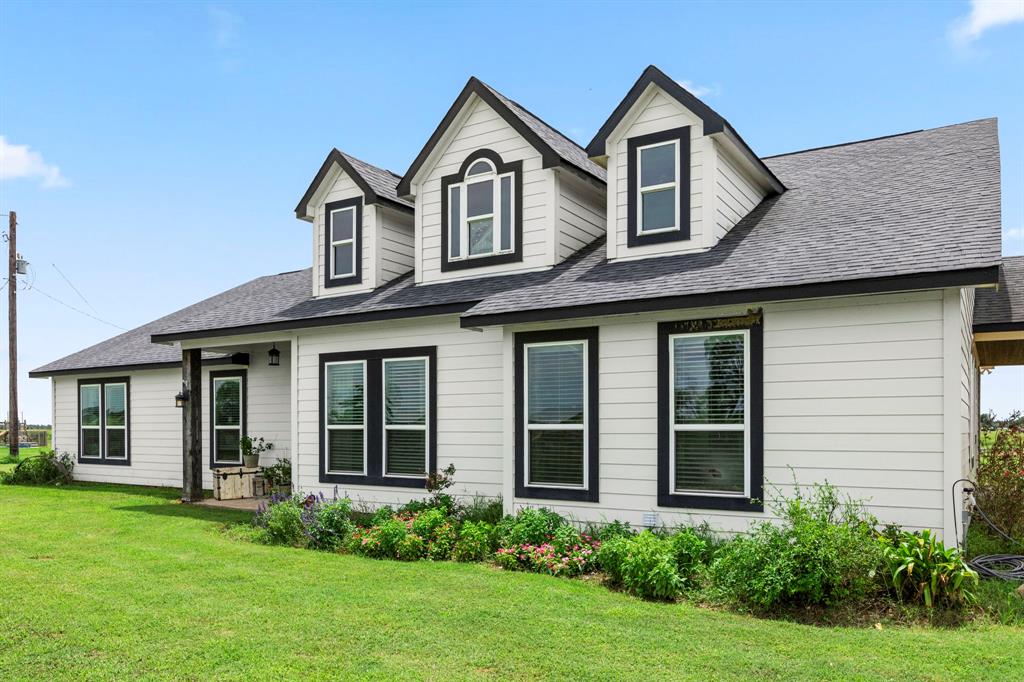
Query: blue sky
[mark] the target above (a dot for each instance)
(154, 152)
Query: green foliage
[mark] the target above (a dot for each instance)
(329, 524)
(425, 523)
(442, 542)
(477, 540)
(282, 523)
(279, 473)
(603, 532)
(380, 541)
(822, 551)
(47, 468)
(488, 509)
(529, 527)
(383, 514)
(921, 568)
(691, 550)
(411, 548)
(254, 446)
(644, 564)
(305, 521)
(1001, 480)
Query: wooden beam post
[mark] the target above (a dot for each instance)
(192, 426)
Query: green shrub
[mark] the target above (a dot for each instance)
(411, 547)
(442, 542)
(691, 550)
(384, 513)
(426, 522)
(282, 523)
(47, 468)
(1000, 491)
(380, 541)
(476, 541)
(529, 527)
(488, 509)
(822, 551)
(305, 521)
(329, 525)
(645, 565)
(922, 569)
(606, 531)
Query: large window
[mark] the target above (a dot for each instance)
(103, 421)
(343, 242)
(481, 213)
(378, 414)
(556, 397)
(711, 413)
(227, 417)
(658, 173)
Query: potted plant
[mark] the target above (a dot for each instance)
(279, 476)
(252, 448)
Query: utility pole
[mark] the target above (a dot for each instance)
(13, 435)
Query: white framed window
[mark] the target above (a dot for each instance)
(657, 186)
(709, 398)
(556, 413)
(228, 419)
(406, 407)
(103, 421)
(342, 242)
(345, 417)
(481, 212)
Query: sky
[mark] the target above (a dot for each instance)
(155, 152)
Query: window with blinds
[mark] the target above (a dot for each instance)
(227, 419)
(556, 415)
(344, 393)
(709, 395)
(405, 417)
(103, 421)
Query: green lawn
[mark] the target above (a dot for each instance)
(105, 582)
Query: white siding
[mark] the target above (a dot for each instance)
(581, 215)
(469, 385)
(397, 244)
(735, 194)
(481, 128)
(338, 186)
(155, 423)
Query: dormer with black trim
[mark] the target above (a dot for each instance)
(679, 176)
(497, 190)
(362, 230)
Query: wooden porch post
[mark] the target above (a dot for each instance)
(192, 426)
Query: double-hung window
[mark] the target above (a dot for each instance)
(343, 242)
(103, 421)
(378, 413)
(713, 413)
(227, 417)
(556, 448)
(481, 212)
(658, 173)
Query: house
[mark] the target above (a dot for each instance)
(662, 328)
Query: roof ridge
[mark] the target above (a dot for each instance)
(367, 163)
(553, 128)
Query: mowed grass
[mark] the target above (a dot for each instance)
(107, 582)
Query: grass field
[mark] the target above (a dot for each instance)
(106, 582)
(6, 463)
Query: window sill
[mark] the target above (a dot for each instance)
(724, 503)
(480, 261)
(380, 481)
(563, 494)
(106, 462)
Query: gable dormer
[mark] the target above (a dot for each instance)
(362, 231)
(498, 191)
(679, 177)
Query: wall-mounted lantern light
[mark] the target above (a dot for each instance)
(275, 356)
(182, 397)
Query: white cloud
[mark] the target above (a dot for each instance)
(1014, 233)
(985, 14)
(225, 26)
(701, 90)
(19, 161)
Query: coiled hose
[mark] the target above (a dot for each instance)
(998, 566)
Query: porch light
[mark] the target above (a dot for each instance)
(182, 397)
(275, 356)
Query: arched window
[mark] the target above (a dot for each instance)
(481, 212)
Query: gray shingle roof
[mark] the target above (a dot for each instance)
(381, 180)
(907, 205)
(1005, 305)
(917, 203)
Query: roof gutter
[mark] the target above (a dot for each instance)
(875, 285)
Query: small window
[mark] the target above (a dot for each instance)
(227, 409)
(710, 409)
(343, 242)
(346, 417)
(658, 187)
(556, 414)
(103, 421)
(481, 213)
(405, 417)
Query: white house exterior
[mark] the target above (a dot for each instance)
(661, 328)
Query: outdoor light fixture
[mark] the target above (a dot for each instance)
(182, 397)
(275, 356)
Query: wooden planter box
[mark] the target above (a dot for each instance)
(235, 483)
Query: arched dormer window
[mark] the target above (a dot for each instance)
(481, 212)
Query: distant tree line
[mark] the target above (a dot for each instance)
(990, 422)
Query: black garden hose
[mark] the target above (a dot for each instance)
(999, 566)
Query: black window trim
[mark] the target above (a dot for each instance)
(753, 322)
(357, 278)
(374, 425)
(501, 168)
(682, 233)
(522, 490)
(102, 383)
(243, 412)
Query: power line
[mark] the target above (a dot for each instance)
(75, 289)
(71, 307)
